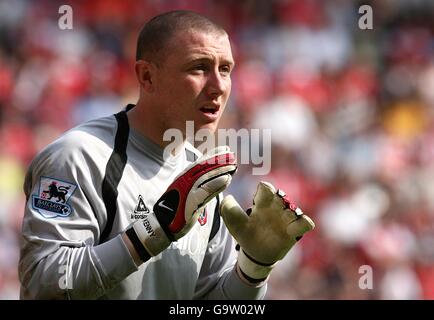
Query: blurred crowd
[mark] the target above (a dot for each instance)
(351, 113)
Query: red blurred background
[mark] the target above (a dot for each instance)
(351, 113)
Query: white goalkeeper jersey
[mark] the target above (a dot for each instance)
(84, 190)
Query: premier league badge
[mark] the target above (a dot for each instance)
(52, 198)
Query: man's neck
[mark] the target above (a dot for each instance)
(146, 122)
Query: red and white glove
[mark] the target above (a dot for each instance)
(178, 209)
(266, 232)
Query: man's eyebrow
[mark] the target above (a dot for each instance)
(195, 59)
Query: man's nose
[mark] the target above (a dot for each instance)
(216, 85)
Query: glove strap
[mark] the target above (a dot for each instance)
(253, 271)
(140, 249)
(150, 236)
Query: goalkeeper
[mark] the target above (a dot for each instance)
(110, 215)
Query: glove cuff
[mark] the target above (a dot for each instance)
(253, 271)
(148, 235)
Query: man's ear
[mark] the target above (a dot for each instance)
(144, 74)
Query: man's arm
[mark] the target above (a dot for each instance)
(60, 237)
(59, 256)
(86, 272)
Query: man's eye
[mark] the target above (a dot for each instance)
(225, 69)
(201, 67)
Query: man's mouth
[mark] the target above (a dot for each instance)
(210, 109)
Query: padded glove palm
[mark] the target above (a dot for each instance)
(266, 232)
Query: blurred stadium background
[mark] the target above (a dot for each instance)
(351, 113)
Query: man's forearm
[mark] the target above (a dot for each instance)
(79, 273)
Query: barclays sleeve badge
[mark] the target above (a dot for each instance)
(52, 198)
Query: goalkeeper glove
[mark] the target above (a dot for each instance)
(177, 210)
(266, 232)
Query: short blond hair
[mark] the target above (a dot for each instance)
(157, 32)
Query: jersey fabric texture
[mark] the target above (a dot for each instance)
(83, 190)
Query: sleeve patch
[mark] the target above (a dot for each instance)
(52, 198)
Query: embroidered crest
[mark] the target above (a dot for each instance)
(203, 217)
(52, 198)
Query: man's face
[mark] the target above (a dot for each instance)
(193, 81)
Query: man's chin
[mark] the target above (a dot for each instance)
(211, 127)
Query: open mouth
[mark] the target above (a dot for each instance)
(210, 109)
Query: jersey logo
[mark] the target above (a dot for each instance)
(52, 198)
(141, 206)
(203, 217)
(141, 210)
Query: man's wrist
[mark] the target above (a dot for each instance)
(252, 271)
(145, 239)
(139, 250)
(132, 250)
